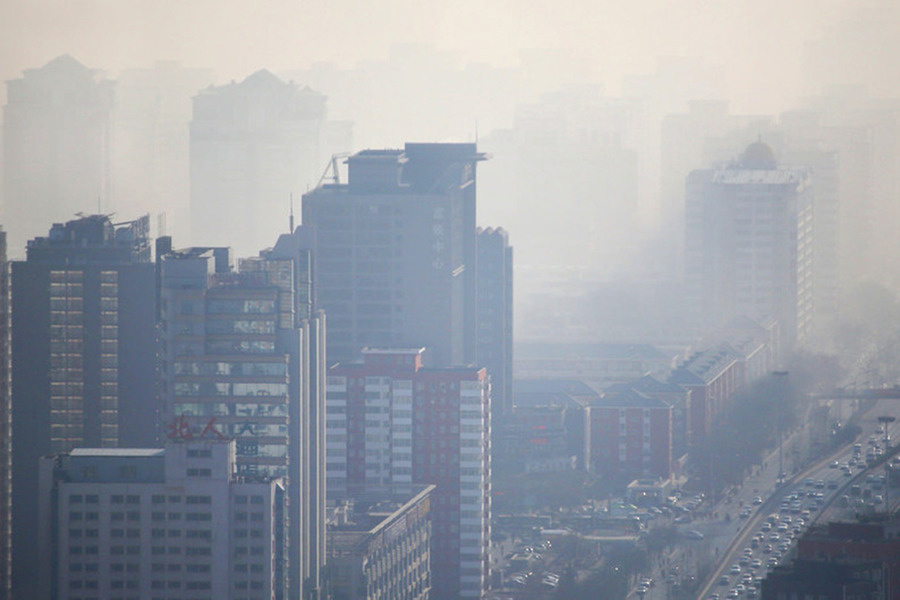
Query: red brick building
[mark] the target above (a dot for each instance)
(711, 378)
(630, 434)
(392, 422)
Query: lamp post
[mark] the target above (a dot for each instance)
(781, 375)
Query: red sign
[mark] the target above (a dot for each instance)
(180, 429)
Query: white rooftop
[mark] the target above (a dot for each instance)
(123, 452)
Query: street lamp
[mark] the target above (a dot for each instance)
(781, 375)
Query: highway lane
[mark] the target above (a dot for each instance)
(833, 485)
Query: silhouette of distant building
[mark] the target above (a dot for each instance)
(252, 145)
(151, 163)
(749, 243)
(57, 126)
(84, 366)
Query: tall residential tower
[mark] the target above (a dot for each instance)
(749, 243)
(84, 367)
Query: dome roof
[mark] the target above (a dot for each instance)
(758, 155)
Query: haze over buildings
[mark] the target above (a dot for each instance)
(689, 189)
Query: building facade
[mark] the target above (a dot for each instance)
(379, 546)
(630, 435)
(57, 131)
(393, 422)
(749, 243)
(178, 522)
(84, 369)
(242, 357)
(396, 252)
(494, 333)
(5, 426)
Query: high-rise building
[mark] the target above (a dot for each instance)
(252, 145)
(243, 356)
(56, 146)
(494, 330)
(396, 252)
(5, 426)
(160, 523)
(749, 243)
(84, 368)
(393, 422)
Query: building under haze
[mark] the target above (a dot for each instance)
(160, 523)
(5, 425)
(379, 545)
(57, 131)
(494, 330)
(396, 252)
(749, 243)
(393, 423)
(151, 163)
(252, 145)
(243, 357)
(84, 367)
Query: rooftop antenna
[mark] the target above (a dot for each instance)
(291, 230)
(99, 212)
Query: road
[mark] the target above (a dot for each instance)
(832, 484)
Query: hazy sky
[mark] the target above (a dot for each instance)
(760, 42)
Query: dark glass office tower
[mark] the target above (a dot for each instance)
(395, 252)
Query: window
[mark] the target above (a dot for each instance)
(199, 472)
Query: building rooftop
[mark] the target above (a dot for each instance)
(704, 366)
(117, 452)
(628, 398)
(648, 384)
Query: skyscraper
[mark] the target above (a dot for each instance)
(5, 427)
(395, 252)
(749, 243)
(56, 145)
(84, 369)
(393, 423)
(494, 331)
(252, 145)
(243, 357)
